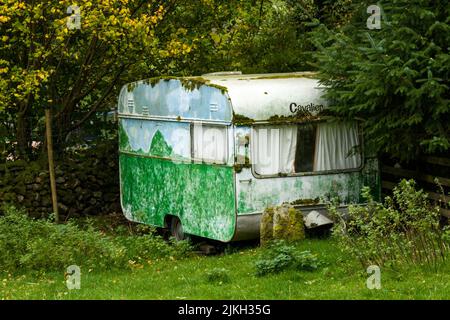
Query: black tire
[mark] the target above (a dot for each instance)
(176, 229)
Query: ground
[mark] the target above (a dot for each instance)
(340, 278)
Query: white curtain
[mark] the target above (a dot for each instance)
(273, 149)
(335, 146)
(210, 143)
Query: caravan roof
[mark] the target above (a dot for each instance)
(221, 98)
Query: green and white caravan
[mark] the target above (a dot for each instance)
(206, 155)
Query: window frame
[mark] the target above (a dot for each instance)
(227, 143)
(310, 173)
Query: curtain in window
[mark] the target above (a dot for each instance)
(210, 143)
(273, 149)
(335, 146)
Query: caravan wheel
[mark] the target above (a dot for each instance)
(176, 229)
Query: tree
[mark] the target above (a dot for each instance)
(396, 79)
(46, 63)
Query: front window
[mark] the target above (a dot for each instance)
(313, 147)
(209, 143)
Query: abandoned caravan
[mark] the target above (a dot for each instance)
(206, 156)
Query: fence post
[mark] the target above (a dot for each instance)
(51, 165)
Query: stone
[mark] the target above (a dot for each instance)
(76, 183)
(59, 171)
(280, 221)
(46, 202)
(296, 227)
(288, 224)
(85, 181)
(43, 174)
(60, 180)
(266, 226)
(63, 207)
(97, 194)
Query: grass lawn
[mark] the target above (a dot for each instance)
(340, 278)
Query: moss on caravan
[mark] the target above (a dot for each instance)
(205, 156)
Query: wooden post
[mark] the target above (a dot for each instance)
(51, 165)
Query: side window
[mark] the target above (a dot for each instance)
(291, 149)
(337, 146)
(242, 146)
(305, 152)
(209, 143)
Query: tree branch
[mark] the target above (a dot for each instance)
(97, 104)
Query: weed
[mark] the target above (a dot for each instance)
(281, 256)
(403, 229)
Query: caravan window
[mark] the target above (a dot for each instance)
(209, 143)
(314, 147)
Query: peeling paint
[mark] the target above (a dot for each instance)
(155, 138)
(176, 98)
(159, 177)
(155, 184)
(202, 196)
(258, 194)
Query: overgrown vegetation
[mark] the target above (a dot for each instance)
(405, 229)
(40, 245)
(281, 256)
(78, 72)
(395, 78)
(341, 278)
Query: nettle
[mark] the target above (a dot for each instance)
(403, 229)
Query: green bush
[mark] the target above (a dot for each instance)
(281, 256)
(41, 245)
(150, 246)
(403, 229)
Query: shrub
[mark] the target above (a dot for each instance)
(403, 229)
(281, 256)
(150, 246)
(31, 244)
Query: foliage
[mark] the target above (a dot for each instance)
(281, 256)
(78, 72)
(403, 230)
(343, 278)
(395, 78)
(250, 35)
(28, 244)
(218, 275)
(74, 71)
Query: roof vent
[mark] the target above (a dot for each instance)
(130, 103)
(213, 107)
